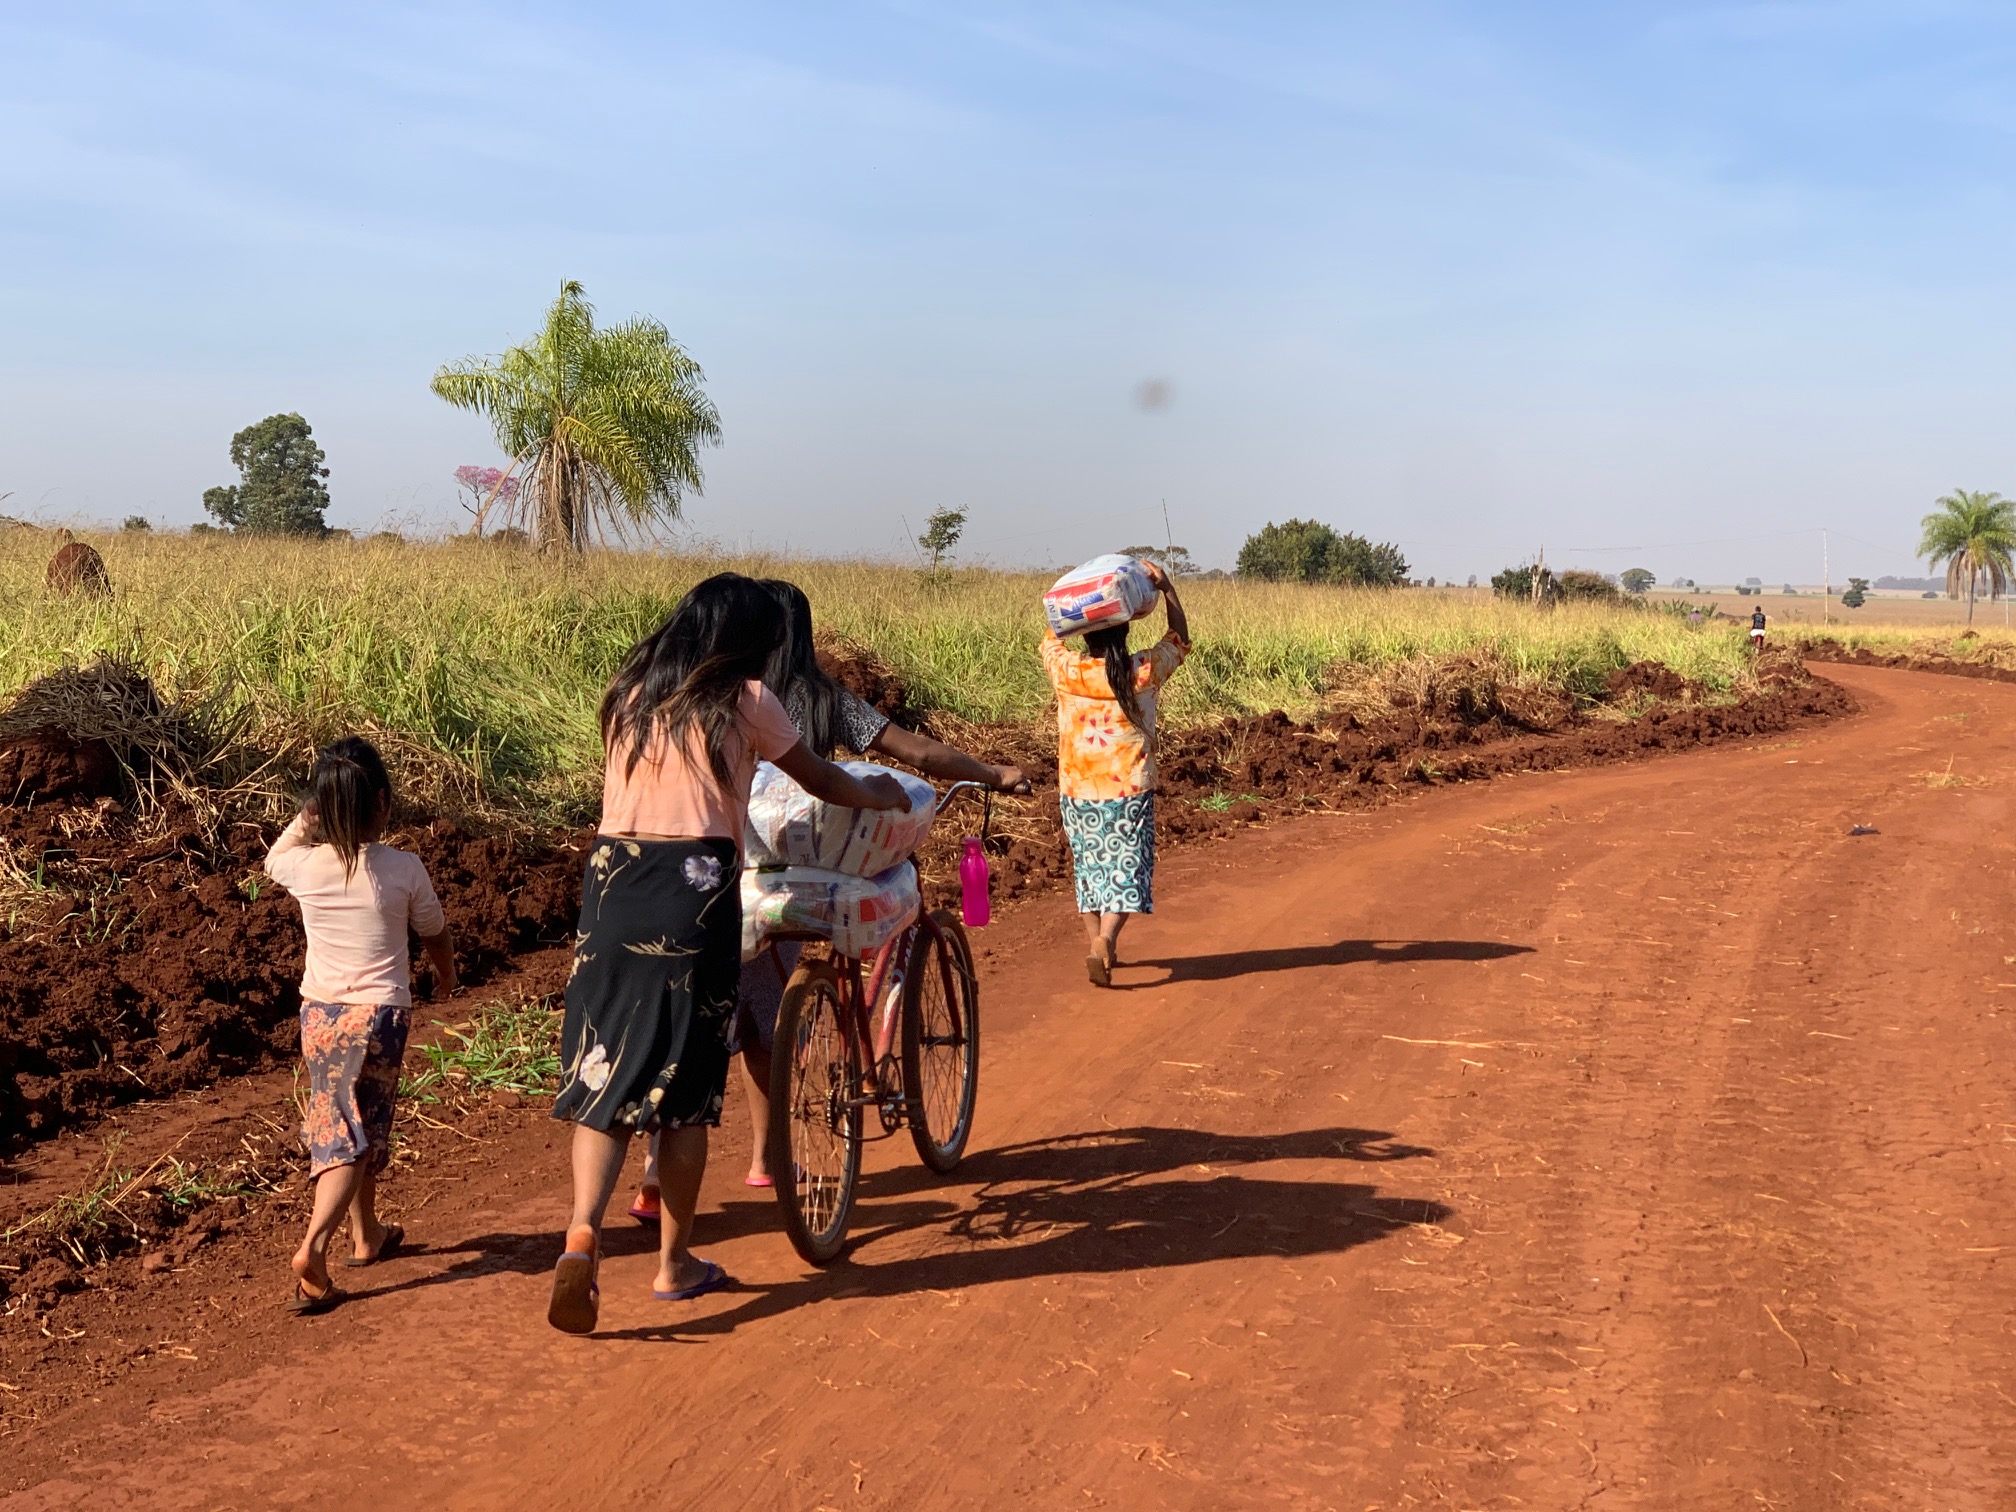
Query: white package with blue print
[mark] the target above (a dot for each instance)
(789, 827)
(857, 915)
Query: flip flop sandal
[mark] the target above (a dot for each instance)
(387, 1248)
(301, 1305)
(759, 1181)
(1097, 971)
(645, 1208)
(576, 1296)
(714, 1280)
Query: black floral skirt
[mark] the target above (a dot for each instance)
(645, 1040)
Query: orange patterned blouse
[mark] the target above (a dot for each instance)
(1100, 752)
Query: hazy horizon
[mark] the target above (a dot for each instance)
(1675, 288)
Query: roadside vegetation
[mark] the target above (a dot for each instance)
(480, 665)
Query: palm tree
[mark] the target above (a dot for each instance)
(1974, 535)
(605, 424)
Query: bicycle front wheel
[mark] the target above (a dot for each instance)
(941, 1041)
(815, 1112)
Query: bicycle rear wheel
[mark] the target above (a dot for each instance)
(941, 1040)
(815, 1112)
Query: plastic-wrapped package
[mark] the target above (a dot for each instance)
(1108, 590)
(789, 827)
(857, 914)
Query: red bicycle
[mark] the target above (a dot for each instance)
(915, 1065)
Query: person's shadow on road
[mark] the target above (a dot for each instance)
(1242, 963)
(1121, 1200)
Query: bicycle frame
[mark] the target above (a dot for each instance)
(876, 1042)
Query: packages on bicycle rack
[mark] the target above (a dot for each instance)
(789, 827)
(857, 914)
(1108, 590)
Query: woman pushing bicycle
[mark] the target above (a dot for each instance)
(657, 954)
(1106, 769)
(826, 717)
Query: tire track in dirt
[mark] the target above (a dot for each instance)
(1627, 1137)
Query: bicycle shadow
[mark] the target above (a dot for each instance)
(1132, 1199)
(1241, 963)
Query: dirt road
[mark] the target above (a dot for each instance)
(1623, 1138)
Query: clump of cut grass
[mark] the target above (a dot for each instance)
(508, 1047)
(479, 669)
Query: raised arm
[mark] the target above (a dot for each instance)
(934, 758)
(1179, 622)
(823, 780)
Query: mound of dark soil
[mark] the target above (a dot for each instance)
(46, 763)
(869, 678)
(158, 962)
(1945, 666)
(1216, 779)
(1649, 679)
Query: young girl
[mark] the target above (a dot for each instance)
(358, 899)
(1106, 770)
(644, 1044)
(826, 716)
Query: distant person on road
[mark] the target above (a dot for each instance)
(657, 954)
(826, 716)
(1757, 629)
(1106, 769)
(358, 900)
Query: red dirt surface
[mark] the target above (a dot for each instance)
(1629, 1137)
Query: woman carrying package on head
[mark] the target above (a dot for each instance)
(1106, 768)
(827, 717)
(644, 1045)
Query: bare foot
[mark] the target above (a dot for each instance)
(688, 1270)
(313, 1276)
(365, 1243)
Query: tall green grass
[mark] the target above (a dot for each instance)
(485, 664)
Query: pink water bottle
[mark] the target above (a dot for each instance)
(975, 907)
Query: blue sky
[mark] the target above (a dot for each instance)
(1696, 280)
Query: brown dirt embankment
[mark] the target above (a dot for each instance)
(145, 955)
(1915, 661)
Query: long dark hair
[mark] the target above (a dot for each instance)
(349, 784)
(794, 668)
(1111, 644)
(688, 673)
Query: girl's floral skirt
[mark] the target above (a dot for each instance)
(352, 1053)
(644, 1042)
(1112, 852)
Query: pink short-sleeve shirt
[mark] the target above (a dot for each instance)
(675, 792)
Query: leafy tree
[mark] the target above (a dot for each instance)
(1637, 580)
(137, 522)
(1591, 587)
(1857, 594)
(1517, 583)
(942, 529)
(605, 426)
(1974, 535)
(1176, 560)
(280, 489)
(1307, 551)
(1473, 580)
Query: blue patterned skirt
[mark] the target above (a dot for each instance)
(1112, 852)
